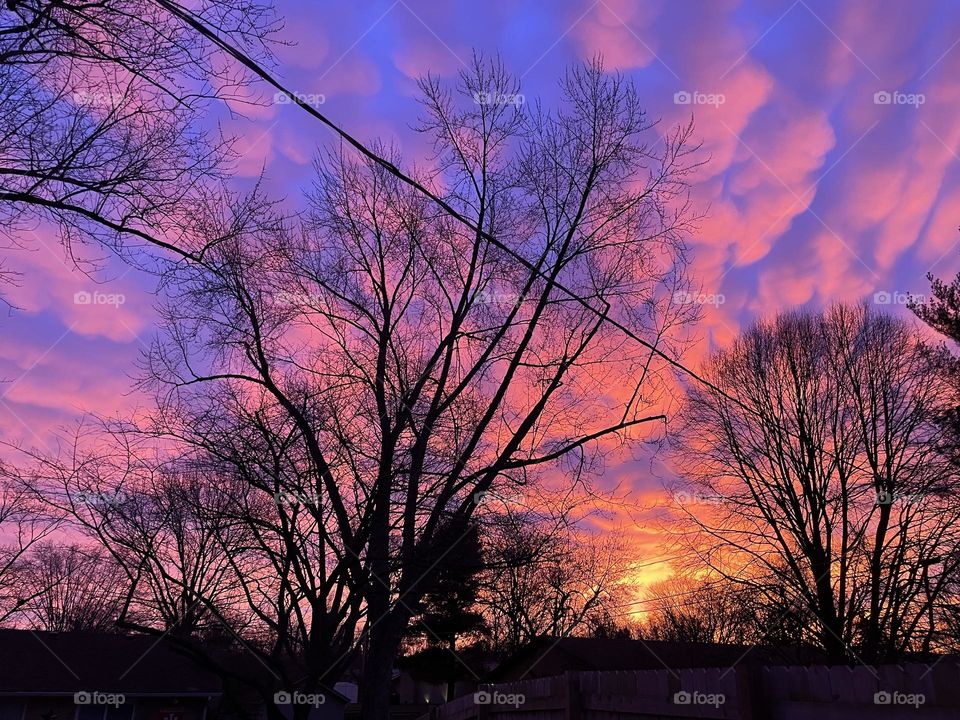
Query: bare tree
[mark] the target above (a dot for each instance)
(546, 577)
(167, 527)
(71, 587)
(684, 609)
(821, 443)
(24, 522)
(381, 365)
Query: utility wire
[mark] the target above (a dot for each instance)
(201, 27)
(193, 21)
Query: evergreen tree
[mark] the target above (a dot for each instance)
(448, 610)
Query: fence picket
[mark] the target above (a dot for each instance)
(750, 693)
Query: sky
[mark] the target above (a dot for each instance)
(830, 131)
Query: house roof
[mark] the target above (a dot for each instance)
(548, 656)
(50, 663)
(35, 662)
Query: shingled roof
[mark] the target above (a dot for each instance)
(48, 663)
(549, 656)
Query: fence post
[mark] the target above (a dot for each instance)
(750, 701)
(571, 704)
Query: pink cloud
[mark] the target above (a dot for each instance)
(433, 58)
(619, 31)
(109, 303)
(353, 74)
(253, 146)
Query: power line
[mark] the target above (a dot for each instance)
(198, 25)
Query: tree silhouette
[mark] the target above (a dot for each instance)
(821, 447)
(449, 608)
(356, 376)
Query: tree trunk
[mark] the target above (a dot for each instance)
(301, 711)
(378, 670)
(835, 649)
(872, 641)
(273, 712)
(451, 679)
(831, 624)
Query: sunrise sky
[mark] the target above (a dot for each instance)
(829, 130)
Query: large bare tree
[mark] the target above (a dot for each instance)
(354, 381)
(820, 444)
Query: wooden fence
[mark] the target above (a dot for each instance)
(742, 693)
